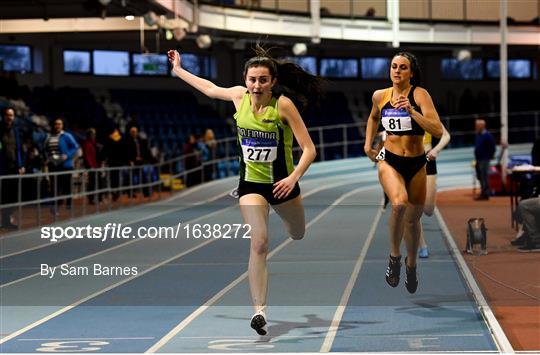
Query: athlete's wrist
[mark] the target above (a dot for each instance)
(295, 176)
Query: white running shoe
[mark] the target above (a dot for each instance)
(234, 193)
(258, 323)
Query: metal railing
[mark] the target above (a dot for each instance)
(38, 192)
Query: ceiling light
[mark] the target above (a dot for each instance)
(203, 41)
(130, 17)
(299, 49)
(463, 55)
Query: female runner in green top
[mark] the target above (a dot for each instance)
(266, 123)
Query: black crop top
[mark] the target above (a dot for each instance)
(399, 122)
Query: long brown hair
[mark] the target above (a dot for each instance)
(292, 81)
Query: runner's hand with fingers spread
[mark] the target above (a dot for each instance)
(284, 187)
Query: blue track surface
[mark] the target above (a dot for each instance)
(192, 295)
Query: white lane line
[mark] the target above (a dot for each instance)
(502, 342)
(104, 251)
(90, 217)
(349, 176)
(155, 215)
(338, 315)
(393, 336)
(84, 339)
(95, 294)
(220, 294)
(310, 181)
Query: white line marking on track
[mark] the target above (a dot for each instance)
(499, 337)
(220, 294)
(95, 294)
(83, 339)
(334, 326)
(161, 202)
(48, 243)
(112, 248)
(257, 337)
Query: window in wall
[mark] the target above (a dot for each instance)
(517, 69)
(309, 64)
(375, 68)
(150, 64)
(339, 68)
(76, 61)
(471, 69)
(113, 63)
(16, 58)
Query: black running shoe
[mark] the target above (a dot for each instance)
(393, 270)
(258, 322)
(411, 282)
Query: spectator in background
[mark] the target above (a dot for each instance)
(138, 154)
(370, 12)
(211, 145)
(528, 213)
(114, 155)
(60, 149)
(11, 163)
(91, 162)
(33, 164)
(484, 149)
(192, 161)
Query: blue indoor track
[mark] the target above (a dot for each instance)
(327, 292)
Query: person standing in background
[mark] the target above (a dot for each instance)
(11, 163)
(60, 148)
(91, 163)
(484, 149)
(211, 144)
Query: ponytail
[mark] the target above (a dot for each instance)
(299, 84)
(292, 80)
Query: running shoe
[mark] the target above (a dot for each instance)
(529, 247)
(393, 270)
(411, 282)
(258, 323)
(234, 193)
(423, 253)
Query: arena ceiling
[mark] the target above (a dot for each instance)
(27, 16)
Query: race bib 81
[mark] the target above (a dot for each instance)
(396, 120)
